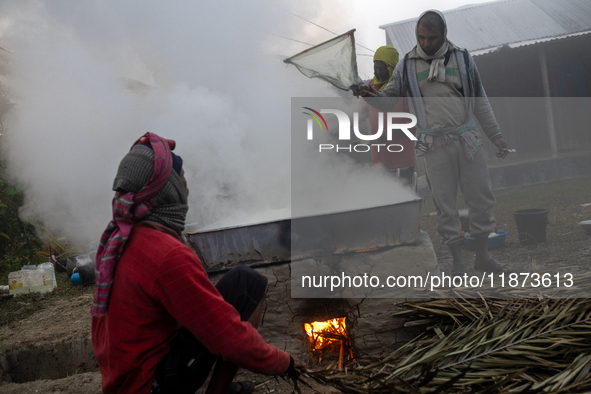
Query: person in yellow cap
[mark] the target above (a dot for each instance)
(384, 61)
(400, 163)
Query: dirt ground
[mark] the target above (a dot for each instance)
(566, 243)
(89, 382)
(37, 322)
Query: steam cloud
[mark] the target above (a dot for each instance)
(88, 78)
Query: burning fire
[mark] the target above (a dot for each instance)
(329, 338)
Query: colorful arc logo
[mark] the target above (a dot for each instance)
(316, 118)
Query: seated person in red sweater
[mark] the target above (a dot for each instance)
(158, 323)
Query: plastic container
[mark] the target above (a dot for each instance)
(531, 225)
(28, 281)
(83, 273)
(48, 274)
(493, 242)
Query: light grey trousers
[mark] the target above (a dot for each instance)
(447, 168)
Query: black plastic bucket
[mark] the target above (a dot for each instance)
(531, 225)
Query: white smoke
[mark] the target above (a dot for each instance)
(88, 78)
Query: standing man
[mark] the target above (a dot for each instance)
(158, 323)
(447, 97)
(400, 163)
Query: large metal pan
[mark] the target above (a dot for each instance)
(293, 239)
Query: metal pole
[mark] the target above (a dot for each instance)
(548, 101)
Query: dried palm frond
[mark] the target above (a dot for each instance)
(52, 245)
(483, 346)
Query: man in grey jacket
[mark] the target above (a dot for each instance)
(446, 95)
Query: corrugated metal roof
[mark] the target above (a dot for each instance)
(524, 43)
(484, 27)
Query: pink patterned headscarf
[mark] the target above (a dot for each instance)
(128, 209)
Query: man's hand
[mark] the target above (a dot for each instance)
(296, 366)
(292, 372)
(501, 144)
(364, 91)
(297, 363)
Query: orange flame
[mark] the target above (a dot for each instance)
(327, 335)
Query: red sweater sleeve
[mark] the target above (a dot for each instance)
(188, 295)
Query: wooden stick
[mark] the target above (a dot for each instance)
(341, 355)
(369, 94)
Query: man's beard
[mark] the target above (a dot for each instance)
(429, 52)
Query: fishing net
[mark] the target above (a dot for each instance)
(334, 61)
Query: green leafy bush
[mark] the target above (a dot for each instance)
(18, 241)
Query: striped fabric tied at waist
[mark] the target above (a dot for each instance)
(468, 135)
